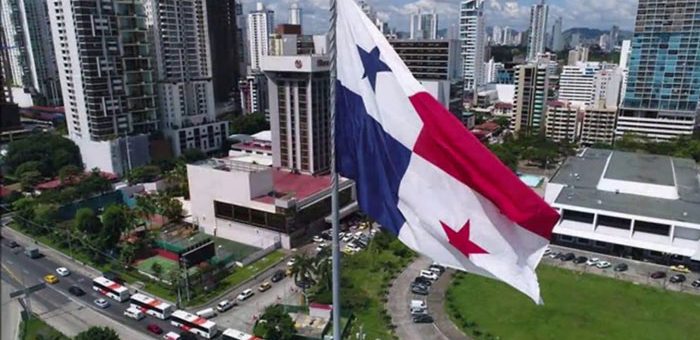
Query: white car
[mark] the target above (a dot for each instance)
(291, 261)
(102, 303)
(603, 264)
(244, 295)
(347, 238)
(224, 306)
(63, 271)
(428, 275)
(317, 239)
(547, 251)
(592, 261)
(321, 246)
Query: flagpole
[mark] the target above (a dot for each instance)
(334, 175)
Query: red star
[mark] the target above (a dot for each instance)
(460, 240)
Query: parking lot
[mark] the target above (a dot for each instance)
(637, 271)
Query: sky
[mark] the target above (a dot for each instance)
(601, 14)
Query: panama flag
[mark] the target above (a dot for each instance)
(422, 175)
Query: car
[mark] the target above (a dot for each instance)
(592, 261)
(63, 271)
(291, 261)
(418, 311)
(155, 329)
(567, 257)
(341, 234)
(12, 244)
(553, 255)
(547, 251)
(102, 303)
(346, 238)
(224, 305)
(321, 246)
(244, 295)
(419, 285)
(696, 283)
(680, 268)
(428, 275)
(317, 239)
(419, 290)
(422, 318)
(678, 278)
(357, 234)
(264, 286)
(50, 279)
(603, 264)
(423, 280)
(580, 259)
(658, 275)
(277, 276)
(621, 267)
(75, 290)
(437, 268)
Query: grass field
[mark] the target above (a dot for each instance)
(38, 329)
(577, 306)
(166, 265)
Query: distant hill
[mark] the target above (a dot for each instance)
(591, 34)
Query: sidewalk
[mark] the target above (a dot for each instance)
(437, 300)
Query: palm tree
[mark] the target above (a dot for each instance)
(146, 207)
(303, 269)
(323, 268)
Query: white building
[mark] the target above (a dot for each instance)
(496, 35)
(538, 30)
(295, 14)
(180, 40)
(260, 25)
(563, 120)
(472, 35)
(576, 82)
(557, 38)
(625, 51)
(491, 69)
(105, 68)
(628, 204)
(423, 25)
(253, 92)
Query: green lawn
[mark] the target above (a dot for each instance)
(577, 306)
(38, 329)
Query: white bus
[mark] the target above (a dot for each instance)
(151, 306)
(110, 288)
(234, 334)
(193, 324)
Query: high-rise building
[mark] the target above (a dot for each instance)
(538, 30)
(507, 36)
(496, 35)
(662, 95)
(563, 120)
(578, 55)
(576, 82)
(472, 36)
(298, 92)
(625, 51)
(253, 91)
(31, 58)
(181, 43)
(424, 25)
(575, 40)
(261, 22)
(604, 42)
(531, 95)
(225, 51)
(107, 80)
(295, 14)
(598, 125)
(557, 38)
(615, 35)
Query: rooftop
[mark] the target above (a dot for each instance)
(631, 183)
(300, 186)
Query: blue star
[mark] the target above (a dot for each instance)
(372, 65)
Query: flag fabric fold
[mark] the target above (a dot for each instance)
(421, 174)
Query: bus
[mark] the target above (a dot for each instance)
(234, 334)
(110, 288)
(193, 324)
(151, 306)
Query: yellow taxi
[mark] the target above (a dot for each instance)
(50, 279)
(680, 268)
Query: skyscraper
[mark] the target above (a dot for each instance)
(295, 14)
(107, 80)
(531, 95)
(472, 36)
(663, 92)
(225, 50)
(538, 30)
(496, 35)
(184, 74)
(557, 39)
(261, 24)
(424, 25)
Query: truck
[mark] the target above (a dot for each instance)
(32, 252)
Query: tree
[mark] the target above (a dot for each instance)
(323, 268)
(503, 122)
(94, 183)
(170, 207)
(275, 324)
(46, 214)
(127, 254)
(302, 269)
(146, 173)
(28, 180)
(157, 269)
(52, 151)
(115, 220)
(28, 166)
(97, 333)
(69, 173)
(177, 181)
(146, 207)
(249, 124)
(87, 222)
(24, 213)
(506, 156)
(193, 155)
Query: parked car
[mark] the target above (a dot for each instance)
(419, 290)
(417, 304)
(580, 259)
(264, 286)
(553, 255)
(592, 261)
(75, 290)
(277, 276)
(418, 311)
(567, 257)
(428, 274)
(680, 268)
(224, 305)
(102, 303)
(50, 279)
(12, 244)
(206, 313)
(658, 275)
(547, 251)
(317, 239)
(422, 318)
(326, 236)
(621, 267)
(244, 295)
(155, 329)
(346, 238)
(63, 271)
(678, 278)
(437, 268)
(603, 264)
(423, 280)
(696, 283)
(291, 261)
(419, 285)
